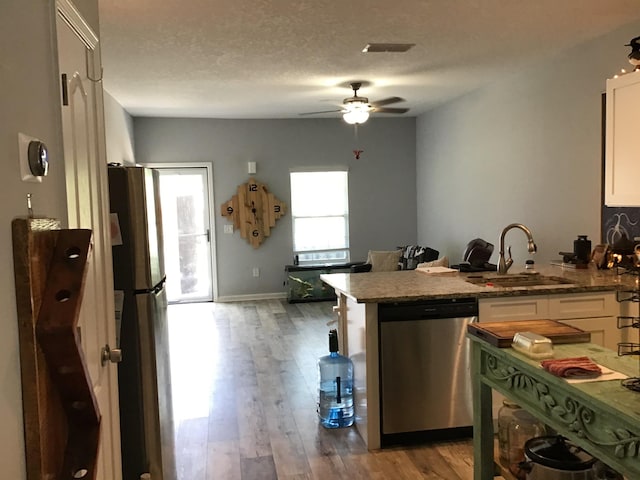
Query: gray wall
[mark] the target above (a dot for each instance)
(526, 149)
(382, 187)
(29, 102)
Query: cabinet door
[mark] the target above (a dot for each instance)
(595, 313)
(583, 305)
(604, 330)
(513, 308)
(621, 154)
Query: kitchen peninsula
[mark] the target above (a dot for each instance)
(588, 299)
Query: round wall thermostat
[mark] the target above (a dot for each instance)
(38, 158)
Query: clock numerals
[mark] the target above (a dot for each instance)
(254, 211)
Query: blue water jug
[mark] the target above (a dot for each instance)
(335, 387)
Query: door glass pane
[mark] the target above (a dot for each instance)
(186, 229)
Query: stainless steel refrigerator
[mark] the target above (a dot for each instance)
(144, 376)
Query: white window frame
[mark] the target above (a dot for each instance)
(321, 257)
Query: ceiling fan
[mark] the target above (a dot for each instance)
(357, 109)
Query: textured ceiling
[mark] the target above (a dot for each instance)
(280, 58)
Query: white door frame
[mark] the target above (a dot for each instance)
(212, 216)
(110, 455)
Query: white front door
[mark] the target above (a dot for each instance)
(187, 229)
(87, 207)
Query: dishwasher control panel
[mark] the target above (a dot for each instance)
(444, 308)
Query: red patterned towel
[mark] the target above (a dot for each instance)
(577, 367)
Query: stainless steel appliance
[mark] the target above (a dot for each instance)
(144, 379)
(424, 369)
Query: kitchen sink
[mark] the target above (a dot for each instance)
(518, 280)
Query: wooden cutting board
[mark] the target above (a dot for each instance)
(501, 334)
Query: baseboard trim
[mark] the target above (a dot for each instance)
(251, 297)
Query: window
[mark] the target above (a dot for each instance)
(320, 216)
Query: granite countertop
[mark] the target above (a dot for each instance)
(383, 287)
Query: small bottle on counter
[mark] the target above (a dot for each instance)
(530, 266)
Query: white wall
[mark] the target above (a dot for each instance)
(382, 189)
(526, 149)
(29, 102)
(118, 132)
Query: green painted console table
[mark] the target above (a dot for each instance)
(601, 417)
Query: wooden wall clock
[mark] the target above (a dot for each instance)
(254, 211)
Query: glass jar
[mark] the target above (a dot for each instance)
(505, 416)
(523, 426)
(602, 471)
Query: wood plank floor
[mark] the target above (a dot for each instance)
(244, 385)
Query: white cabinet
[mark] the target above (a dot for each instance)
(603, 330)
(622, 157)
(592, 312)
(506, 309)
(583, 305)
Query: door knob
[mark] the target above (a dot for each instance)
(113, 355)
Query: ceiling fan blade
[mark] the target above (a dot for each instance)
(390, 110)
(387, 101)
(324, 111)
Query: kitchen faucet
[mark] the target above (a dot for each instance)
(503, 265)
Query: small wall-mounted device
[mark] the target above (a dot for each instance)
(34, 158)
(251, 168)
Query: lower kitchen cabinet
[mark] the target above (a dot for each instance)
(593, 312)
(583, 305)
(507, 309)
(604, 330)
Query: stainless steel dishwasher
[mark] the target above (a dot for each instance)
(424, 370)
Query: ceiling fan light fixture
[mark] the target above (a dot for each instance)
(355, 102)
(356, 109)
(357, 115)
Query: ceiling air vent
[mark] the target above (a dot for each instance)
(387, 47)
